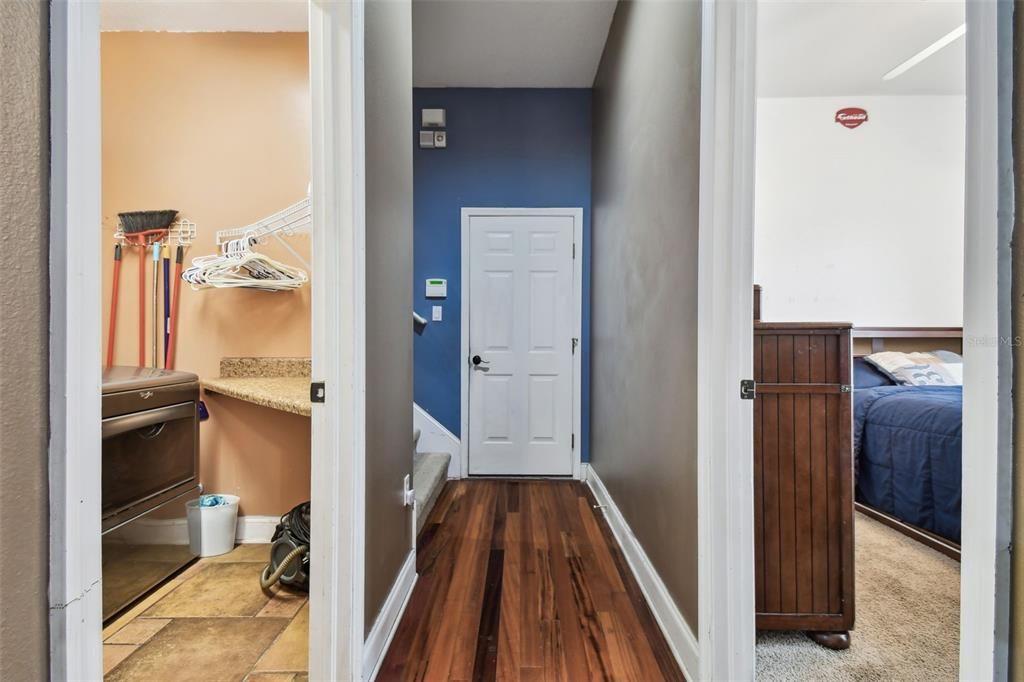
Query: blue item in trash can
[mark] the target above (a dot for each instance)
(211, 501)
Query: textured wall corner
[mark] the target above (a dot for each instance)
(24, 200)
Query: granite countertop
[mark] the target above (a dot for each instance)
(277, 383)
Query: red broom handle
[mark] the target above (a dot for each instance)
(113, 306)
(142, 306)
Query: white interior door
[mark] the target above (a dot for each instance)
(521, 322)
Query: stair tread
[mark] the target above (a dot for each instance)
(429, 475)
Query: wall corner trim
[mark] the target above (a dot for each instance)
(677, 631)
(383, 630)
(434, 437)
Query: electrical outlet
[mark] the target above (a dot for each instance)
(408, 494)
(436, 313)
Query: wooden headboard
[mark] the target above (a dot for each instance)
(867, 340)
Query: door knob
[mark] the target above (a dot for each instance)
(477, 360)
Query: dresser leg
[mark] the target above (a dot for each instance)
(837, 641)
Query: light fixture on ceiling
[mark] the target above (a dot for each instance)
(942, 42)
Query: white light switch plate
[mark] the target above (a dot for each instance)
(436, 313)
(408, 494)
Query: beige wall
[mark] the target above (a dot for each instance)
(216, 125)
(389, 444)
(23, 340)
(644, 369)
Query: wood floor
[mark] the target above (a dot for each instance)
(523, 580)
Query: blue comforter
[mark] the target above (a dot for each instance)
(906, 444)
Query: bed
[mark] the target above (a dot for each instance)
(907, 443)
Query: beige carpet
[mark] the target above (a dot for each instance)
(908, 619)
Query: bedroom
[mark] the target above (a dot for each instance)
(859, 248)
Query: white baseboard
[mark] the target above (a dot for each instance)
(248, 530)
(434, 437)
(256, 529)
(677, 631)
(383, 630)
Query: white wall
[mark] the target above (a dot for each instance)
(862, 225)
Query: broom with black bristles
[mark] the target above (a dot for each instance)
(142, 228)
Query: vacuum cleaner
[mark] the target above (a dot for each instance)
(289, 551)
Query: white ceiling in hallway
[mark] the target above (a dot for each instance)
(819, 48)
(509, 43)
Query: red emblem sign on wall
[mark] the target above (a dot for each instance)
(851, 117)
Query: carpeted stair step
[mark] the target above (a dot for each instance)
(429, 474)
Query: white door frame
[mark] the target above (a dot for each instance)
(577, 304)
(338, 486)
(987, 502)
(725, 285)
(75, 594)
(725, 494)
(338, 426)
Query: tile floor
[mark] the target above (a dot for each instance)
(213, 622)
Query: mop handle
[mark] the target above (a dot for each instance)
(112, 329)
(175, 304)
(165, 253)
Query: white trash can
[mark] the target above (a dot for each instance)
(211, 530)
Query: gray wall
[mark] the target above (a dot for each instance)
(644, 367)
(24, 153)
(389, 443)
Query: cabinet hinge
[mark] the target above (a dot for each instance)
(845, 388)
(574, 250)
(574, 441)
(317, 392)
(575, 342)
(748, 389)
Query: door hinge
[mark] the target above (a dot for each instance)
(748, 389)
(574, 441)
(575, 342)
(317, 392)
(574, 250)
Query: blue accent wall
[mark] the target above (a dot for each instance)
(509, 147)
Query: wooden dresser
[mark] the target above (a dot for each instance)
(803, 479)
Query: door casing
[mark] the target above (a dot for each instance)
(338, 425)
(577, 304)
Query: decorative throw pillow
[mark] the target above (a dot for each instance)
(914, 369)
(954, 364)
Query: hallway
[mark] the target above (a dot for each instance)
(524, 580)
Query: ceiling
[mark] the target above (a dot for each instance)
(260, 16)
(826, 48)
(457, 43)
(805, 47)
(509, 43)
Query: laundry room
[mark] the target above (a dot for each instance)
(207, 287)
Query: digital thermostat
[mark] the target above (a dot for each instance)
(437, 288)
